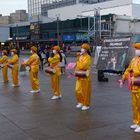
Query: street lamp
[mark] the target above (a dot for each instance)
(57, 16)
(17, 36)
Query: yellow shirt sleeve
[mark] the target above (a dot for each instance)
(13, 60)
(85, 64)
(3, 59)
(32, 59)
(54, 59)
(135, 70)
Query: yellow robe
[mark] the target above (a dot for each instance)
(55, 78)
(14, 61)
(83, 85)
(4, 61)
(135, 67)
(33, 62)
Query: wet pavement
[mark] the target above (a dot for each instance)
(24, 116)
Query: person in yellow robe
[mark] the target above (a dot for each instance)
(33, 63)
(3, 63)
(134, 70)
(13, 64)
(54, 62)
(83, 84)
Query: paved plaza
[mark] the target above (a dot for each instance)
(24, 116)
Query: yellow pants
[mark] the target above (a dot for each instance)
(136, 107)
(5, 73)
(34, 80)
(55, 82)
(83, 91)
(15, 75)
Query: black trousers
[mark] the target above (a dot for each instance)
(101, 77)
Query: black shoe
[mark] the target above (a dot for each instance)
(103, 80)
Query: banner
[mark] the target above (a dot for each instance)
(68, 38)
(113, 54)
(81, 37)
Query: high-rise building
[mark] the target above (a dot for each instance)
(105, 7)
(34, 7)
(41, 7)
(71, 9)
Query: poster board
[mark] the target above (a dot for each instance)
(114, 53)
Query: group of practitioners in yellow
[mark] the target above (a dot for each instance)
(82, 73)
(12, 63)
(83, 83)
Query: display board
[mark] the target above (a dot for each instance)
(114, 53)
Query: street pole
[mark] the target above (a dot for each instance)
(94, 27)
(100, 33)
(89, 29)
(17, 36)
(97, 25)
(57, 30)
(110, 24)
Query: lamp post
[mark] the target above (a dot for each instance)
(89, 29)
(17, 36)
(97, 27)
(110, 24)
(57, 16)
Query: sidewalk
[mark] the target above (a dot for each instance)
(24, 116)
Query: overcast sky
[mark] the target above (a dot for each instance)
(9, 6)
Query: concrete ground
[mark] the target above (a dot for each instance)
(24, 116)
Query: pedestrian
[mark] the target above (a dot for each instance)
(63, 63)
(42, 58)
(64, 48)
(3, 63)
(131, 73)
(47, 53)
(13, 64)
(69, 49)
(33, 63)
(54, 61)
(83, 83)
(39, 54)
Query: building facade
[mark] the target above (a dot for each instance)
(41, 7)
(34, 7)
(76, 30)
(118, 7)
(4, 20)
(4, 33)
(71, 9)
(19, 16)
